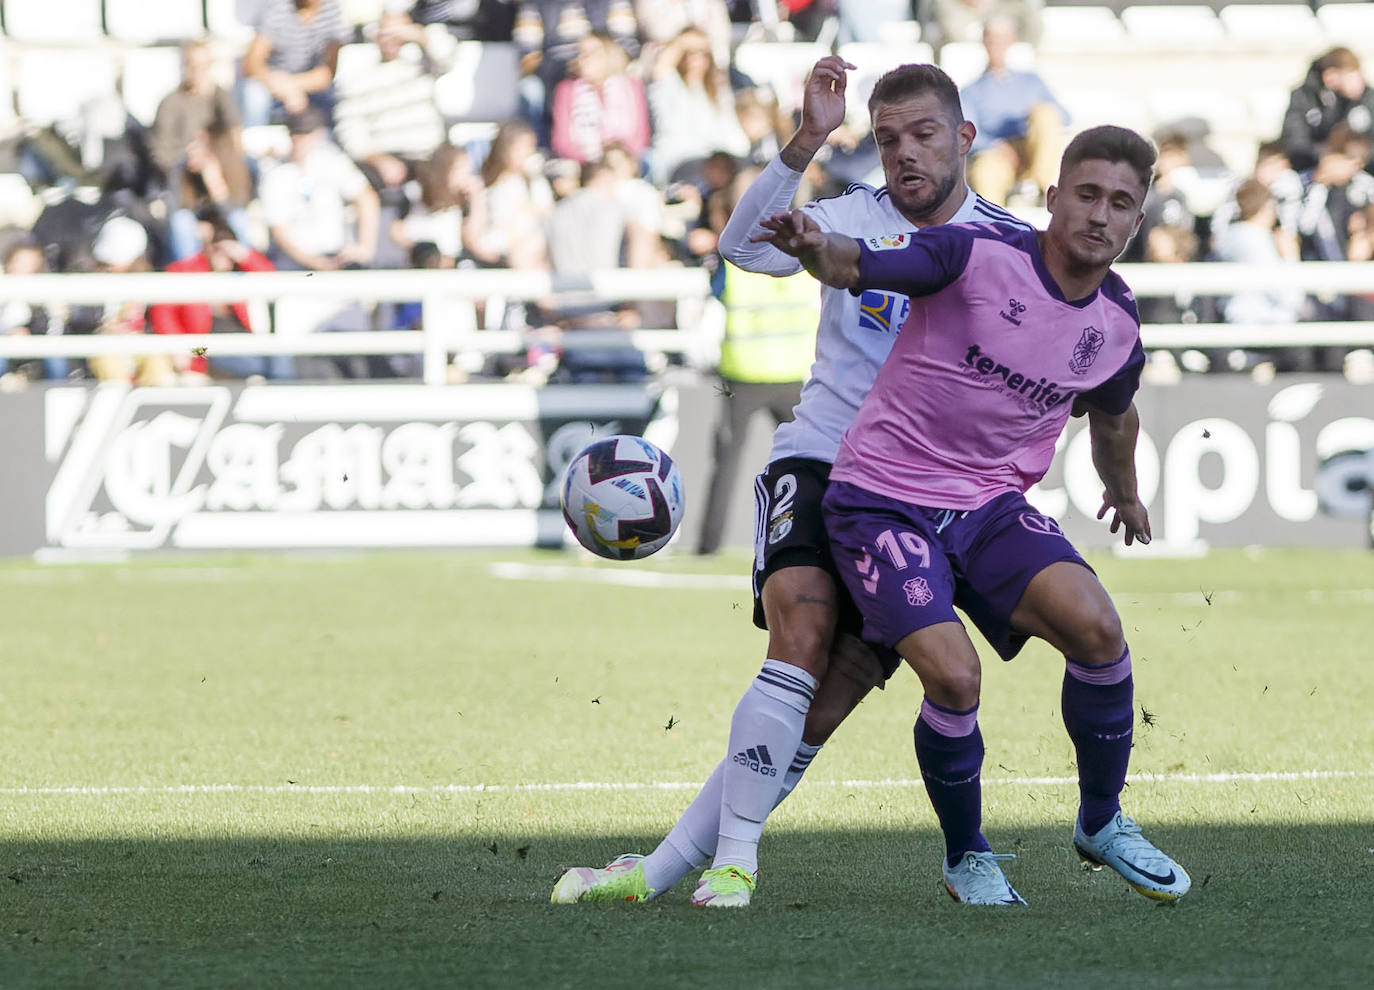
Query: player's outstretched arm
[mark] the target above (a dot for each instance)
(772, 191)
(1113, 446)
(830, 258)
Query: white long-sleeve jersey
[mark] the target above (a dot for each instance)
(855, 332)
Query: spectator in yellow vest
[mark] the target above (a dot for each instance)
(765, 355)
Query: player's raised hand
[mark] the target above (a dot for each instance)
(823, 97)
(822, 111)
(1127, 514)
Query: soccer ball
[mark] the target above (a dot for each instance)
(622, 497)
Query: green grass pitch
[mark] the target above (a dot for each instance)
(277, 771)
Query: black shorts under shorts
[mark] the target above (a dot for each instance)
(790, 532)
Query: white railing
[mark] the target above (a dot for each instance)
(447, 299)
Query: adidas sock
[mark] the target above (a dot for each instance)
(805, 754)
(949, 751)
(764, 735)
(1099, 712)
(692, 840)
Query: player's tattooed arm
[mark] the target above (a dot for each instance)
(1113, 448)
(822, 112)
(830, 258)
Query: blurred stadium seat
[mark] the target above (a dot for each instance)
(1348, 23)
(142, 22)
(782, 65)
(9, 119)
(1080, 29)
(873, 59)
(149, 75)
(482, 84)
(1272, 24)
(358, 12)
(354, 59)
(19, 207)
(1172, 26)
(964, 61)
(1090, 108)
(73, 22)
(52, 83)
(222, 22)
(1223, 111)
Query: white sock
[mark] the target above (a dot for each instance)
(692, 840)
(764, 735)
(805, 754)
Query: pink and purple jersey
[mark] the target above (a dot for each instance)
(982, 377)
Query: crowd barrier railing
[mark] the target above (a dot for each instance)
(442, 294)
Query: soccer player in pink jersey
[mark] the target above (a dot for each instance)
(818, 669)
(1008, 333)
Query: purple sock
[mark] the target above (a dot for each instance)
(949, 750)
(1099, 713)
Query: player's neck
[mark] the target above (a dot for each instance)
(946, 211)
(1076, 281)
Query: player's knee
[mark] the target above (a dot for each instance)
(963, 688)
(1097, 637)
(803, 641)
(955, 686)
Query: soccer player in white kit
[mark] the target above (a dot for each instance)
(783, 719)
(1008, 332)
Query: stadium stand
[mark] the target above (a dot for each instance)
(146, 22)
(482, 84)
(1223, 72)
(222, 22)
(33, 22)
(1075, 29)
(1259, 23)
(53, 84)
(148, 75)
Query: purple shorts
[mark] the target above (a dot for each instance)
(908, 566)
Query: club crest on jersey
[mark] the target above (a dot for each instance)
(888, 242)
(884, 312)
(1085, 351)
(779, 526)
(918, 592)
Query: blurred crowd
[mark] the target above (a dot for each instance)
(634, 134)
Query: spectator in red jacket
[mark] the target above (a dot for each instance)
(599, 103)
(222, 252)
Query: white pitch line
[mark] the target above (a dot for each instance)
(511, 571)
(666, 785)
(638, 578)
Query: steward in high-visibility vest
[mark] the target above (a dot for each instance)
(770, 326)
(766, 354)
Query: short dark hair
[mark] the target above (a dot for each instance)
(1339, 57)
(1251, 197)
(1109, 143)
(916, 79)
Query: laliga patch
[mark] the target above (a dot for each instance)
(888, 242)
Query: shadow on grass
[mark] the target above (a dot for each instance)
(1271, 906)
